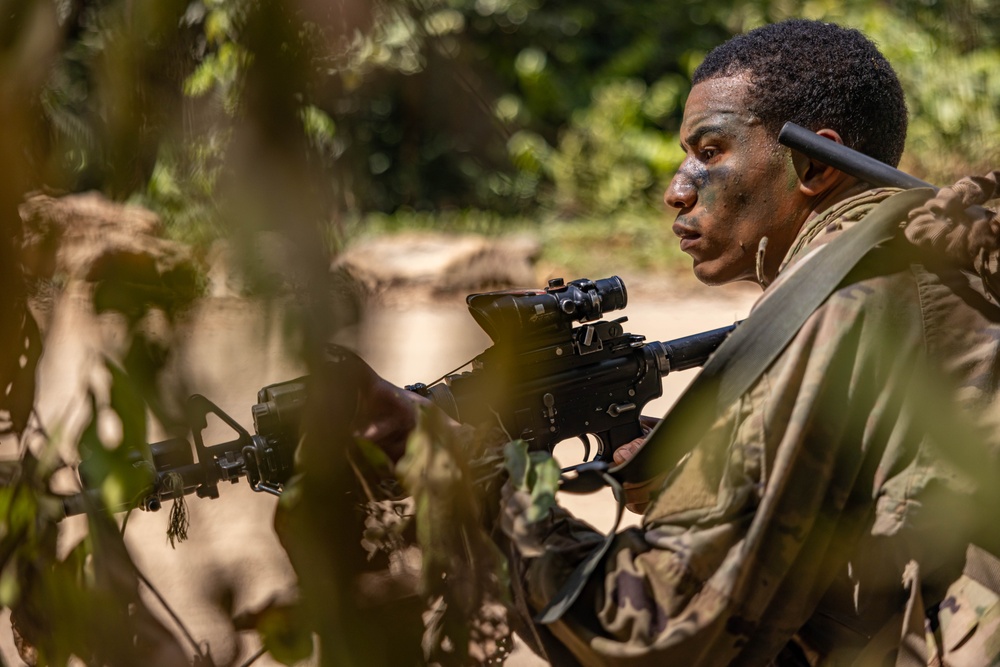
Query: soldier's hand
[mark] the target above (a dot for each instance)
(382, 412)
(627, 451)
(636, 497)
(386, 415)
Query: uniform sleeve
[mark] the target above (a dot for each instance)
(748, 530)
(955, 226)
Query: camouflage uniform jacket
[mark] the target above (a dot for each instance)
(784, 536)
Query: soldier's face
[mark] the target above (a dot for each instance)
(735, 186)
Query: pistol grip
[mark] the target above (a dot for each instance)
(615, 437)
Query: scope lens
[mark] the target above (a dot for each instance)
(612, 292)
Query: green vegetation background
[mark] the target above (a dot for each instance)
(477, 115)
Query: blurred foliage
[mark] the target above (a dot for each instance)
(307, 123)
(519, 107)
(464, 574)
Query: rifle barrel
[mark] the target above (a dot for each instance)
(691, 351)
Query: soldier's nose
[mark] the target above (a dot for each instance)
(681, 193)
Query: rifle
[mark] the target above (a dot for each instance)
(556, 371)
(265, 458)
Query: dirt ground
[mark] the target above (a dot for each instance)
(231, 352)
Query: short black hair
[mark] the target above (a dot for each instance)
(818, 75)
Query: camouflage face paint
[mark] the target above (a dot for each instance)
(698, 174)
(733, 188)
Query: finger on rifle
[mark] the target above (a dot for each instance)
(627, 451)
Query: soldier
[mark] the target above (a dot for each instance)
(826, 516)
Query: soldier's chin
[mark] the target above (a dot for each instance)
(708, 273)
(714, 272)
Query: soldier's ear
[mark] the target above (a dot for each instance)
(815, 178)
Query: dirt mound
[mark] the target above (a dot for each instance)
(401, 267)
(70, 235)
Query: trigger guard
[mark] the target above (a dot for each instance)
(586, 447)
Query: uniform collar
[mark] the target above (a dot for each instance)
(826, 226)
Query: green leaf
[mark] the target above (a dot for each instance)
(202, 79)
(373, 455)
(217, 26)
(516, 462)
(126, 401)
(544, 480)
(10, 587)
(318, 125)
(285, 634)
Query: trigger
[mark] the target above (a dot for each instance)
(586, 447)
